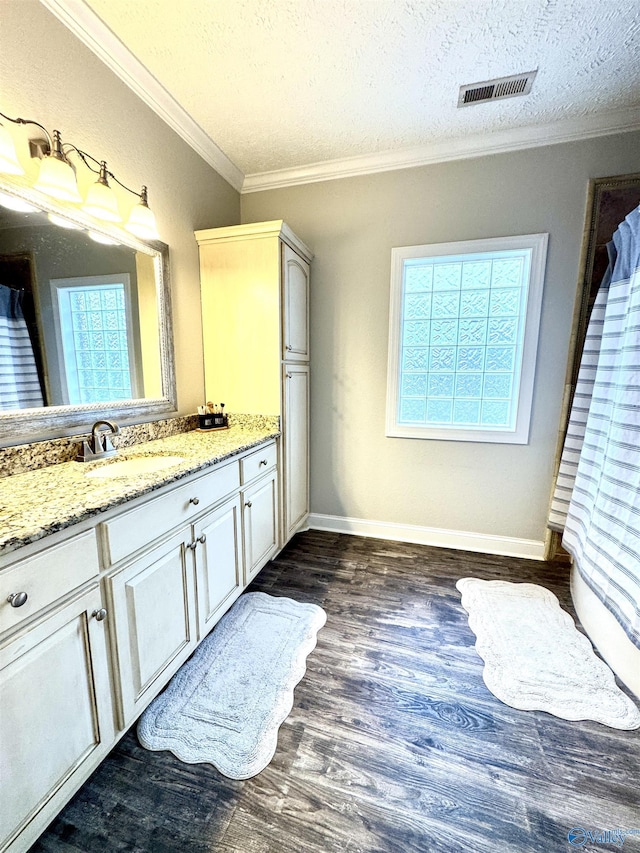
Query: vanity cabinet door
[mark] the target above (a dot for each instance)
(153, 601)
(259, 524)
(218, 563)
(295, 306)
(56, 714)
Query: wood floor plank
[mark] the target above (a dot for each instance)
(394, 743)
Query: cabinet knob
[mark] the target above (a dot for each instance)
(100, 615)
(289, 347)
(194, 501)
(192, 545)
(202, 539)
(289, 375)
(17, 599)
(248, 503)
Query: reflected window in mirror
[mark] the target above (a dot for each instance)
(93, 326)
(113, 359)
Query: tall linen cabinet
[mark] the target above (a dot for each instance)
(255, 315)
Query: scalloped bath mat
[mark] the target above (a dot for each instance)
(535, 657)
(225, 705)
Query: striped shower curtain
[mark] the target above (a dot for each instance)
(19, 381)
(597, 498)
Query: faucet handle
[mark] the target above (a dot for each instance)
(86, 452)
(99, 444)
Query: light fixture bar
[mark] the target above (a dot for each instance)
(57, 178)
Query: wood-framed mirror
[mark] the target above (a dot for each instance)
(97, 306)
(609, 200)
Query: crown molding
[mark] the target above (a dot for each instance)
(255, 231)
(91, 30)
(463, 148)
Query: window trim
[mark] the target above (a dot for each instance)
(537, 244)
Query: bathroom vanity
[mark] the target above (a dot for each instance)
(107, 585)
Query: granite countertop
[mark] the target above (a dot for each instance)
(37, 503)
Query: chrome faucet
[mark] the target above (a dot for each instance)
(99, 445)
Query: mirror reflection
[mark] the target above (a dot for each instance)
(80, 321)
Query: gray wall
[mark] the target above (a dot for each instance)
(351, 225)
(47, 74)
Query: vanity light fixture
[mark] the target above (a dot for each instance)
(14, 203)
(102, 238)
(9, 163)
(101, 200)
(141, 221)
(63, 223)
(57, 178)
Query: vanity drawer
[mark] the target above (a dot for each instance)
(131, 531)
(47, 576)
(257, 463)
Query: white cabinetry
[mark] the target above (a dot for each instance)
(219, 563)
(259, 524)
(166, 597)
(255, 310)
(153, 607)
(86, 644)
(54, 678)
(295, 305)
(295, 463)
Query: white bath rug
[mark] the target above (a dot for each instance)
(536, 659)
(226, 704)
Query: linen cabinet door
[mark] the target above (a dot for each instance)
(56, 715)
(259, 524)
(295, 306)
(295, 443)
(218, 563)
(153, 603)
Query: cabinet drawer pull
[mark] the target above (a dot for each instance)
(194, 501)
(202, 539)
(100, 615)
(263, 462)
(17, 599)
(248, 503)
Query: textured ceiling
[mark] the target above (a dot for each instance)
(285, 83)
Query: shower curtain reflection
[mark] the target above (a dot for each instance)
(19, 382)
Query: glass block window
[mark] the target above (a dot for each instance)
(463, 337)
(93, 339)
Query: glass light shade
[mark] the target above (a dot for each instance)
(102, 238)
(142, 223)
(58, 180)
(13, 203)
(102, 203)
(64, 223)
(9, 163)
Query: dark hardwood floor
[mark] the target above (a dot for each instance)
(394, 744)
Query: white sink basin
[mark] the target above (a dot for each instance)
(133, 466)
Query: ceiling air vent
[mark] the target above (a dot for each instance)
(493, 90)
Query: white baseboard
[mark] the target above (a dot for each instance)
(461, 540)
